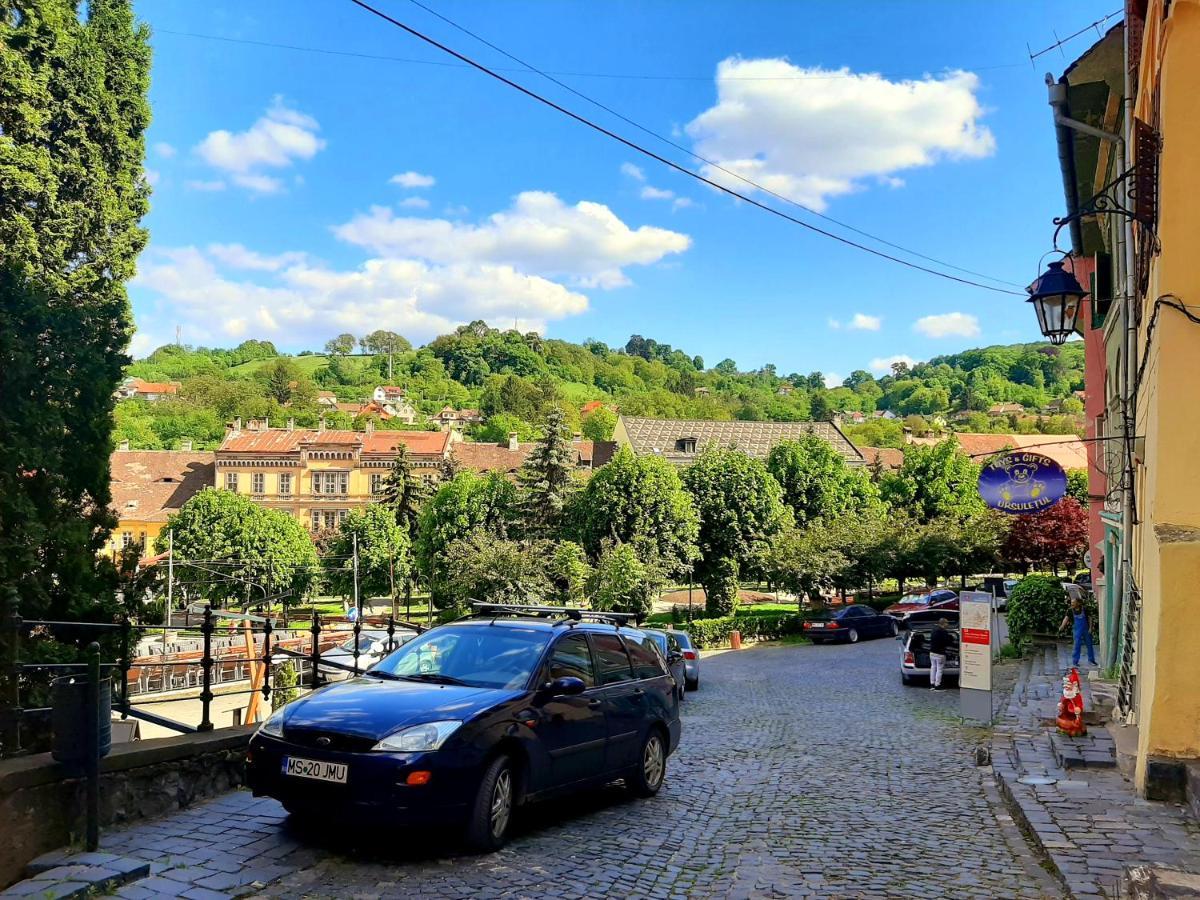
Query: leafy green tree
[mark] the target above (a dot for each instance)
(1037, 606)
(281, 378)
(805, 562)
(726, 367)
(489, 569)
(460, 506)
(816, 482)
(545, 477)
(1077, 486)
(342, 345)
(569, 571)
(740, 505)
(497, 429)
(623, 583)
(639, 502)
(73, 115)
(384, 554)
(934, 480)
(598, 425)
(235, 550)
(385, 343)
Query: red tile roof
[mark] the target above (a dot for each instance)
(423, 442)
(885, 457)
(149, 485)
(490, 457)
(1065, 449)
(154, 387)
(280, 440)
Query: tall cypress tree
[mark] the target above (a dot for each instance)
(546, 476)
(404, 493)
(73, 114)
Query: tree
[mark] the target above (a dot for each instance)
(804, 562)
(73, 115)
(740, 508)
(639, 502)
(234, 550)
(342, 345)
(623, 583)
(545, 477)
(598, 425)
(384, 343)
(1037, 606)
(1055, 537)
(489, 569)
(281, 377)
(403, 492)
(726, 367)
(934, 481)
(384, 554)
(816, 482)
(1077, 486)
(569, 572)
(459, 507)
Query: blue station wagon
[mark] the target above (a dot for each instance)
(469, 720)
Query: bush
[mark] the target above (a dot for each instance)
(1036, 606)
(877, 603)
(709, 633)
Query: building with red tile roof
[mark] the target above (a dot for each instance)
(148, 486)
(137, 389)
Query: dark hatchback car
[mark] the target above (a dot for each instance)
(471, 719)
(850, 625)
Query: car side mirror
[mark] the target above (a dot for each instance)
(567, 686)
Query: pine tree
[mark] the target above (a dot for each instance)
(449, 467)
(404, 493)
(73, 115)
(546, 477)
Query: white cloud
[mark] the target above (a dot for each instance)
(883, 364)
(165, 150)
(863, 322)
(635, 172)
(812, 134)
(413, 180)
(414, 203)
(652, 193)
(586, 243)
(142, 344)
(953, 324)
(832, 380)
(236, 256)
(214, 185)
(276, 140)
(833, 323)
(303, 302)
(682, 203)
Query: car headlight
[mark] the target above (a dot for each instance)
(274, 724)
(429, 736)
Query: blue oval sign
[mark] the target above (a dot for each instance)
(1022, 483)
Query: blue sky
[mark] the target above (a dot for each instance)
(302, 194)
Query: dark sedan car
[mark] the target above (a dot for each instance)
(669, 646)
(850, 624)
(471, 719)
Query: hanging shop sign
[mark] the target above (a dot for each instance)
(1022, 483)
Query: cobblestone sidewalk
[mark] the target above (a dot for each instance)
(1070, 795)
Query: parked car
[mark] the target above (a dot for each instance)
(668, 646)
(910, 603)
(691, 659)
(914, 651)
(372, 647)
(471, 719)
(850, 624)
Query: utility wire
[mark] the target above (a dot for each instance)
(708, 162)
(667, 162)
(1098, 24)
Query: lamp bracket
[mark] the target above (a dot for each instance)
(1106, 201)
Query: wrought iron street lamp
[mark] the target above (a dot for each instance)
(1056, 298)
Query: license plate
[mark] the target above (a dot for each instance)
(311, 768)
(818, 624)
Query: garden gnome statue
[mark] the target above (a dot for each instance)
(1070, 707)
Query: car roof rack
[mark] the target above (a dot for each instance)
(570, 615)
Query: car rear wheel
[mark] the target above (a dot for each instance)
(852, 635)
(906, 680)
(646, 780)
(895, 628)
(491, 814)
(692, 684)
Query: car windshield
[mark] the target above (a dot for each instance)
(498, 656)
(918, 599)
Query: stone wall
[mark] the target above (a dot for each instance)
(42, 802)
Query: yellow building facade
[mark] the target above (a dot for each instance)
(148, 486)
(1166, 551)
(318, 476)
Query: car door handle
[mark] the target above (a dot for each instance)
(638, 693)
(594, 704)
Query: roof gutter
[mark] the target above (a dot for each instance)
(1064, 128)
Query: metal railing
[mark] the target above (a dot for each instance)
(173, 676)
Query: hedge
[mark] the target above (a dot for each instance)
(708, 633)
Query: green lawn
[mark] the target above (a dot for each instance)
(307, 364)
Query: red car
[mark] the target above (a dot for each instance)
(922, 602)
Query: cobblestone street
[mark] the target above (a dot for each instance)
(804, 771)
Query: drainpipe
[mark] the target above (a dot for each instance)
(1058, 101)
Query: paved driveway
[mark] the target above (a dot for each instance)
(804, 771)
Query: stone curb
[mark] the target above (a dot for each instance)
(63, 874)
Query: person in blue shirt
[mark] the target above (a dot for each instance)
(1077, 618)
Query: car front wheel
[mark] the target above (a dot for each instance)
(491, 814)
(652, 766)
(852, 636)
(895, 628)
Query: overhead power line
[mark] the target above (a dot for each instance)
(664, 160)
(708, 162)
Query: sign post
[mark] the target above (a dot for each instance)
(975, 656)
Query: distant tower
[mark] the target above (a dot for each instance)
(178, 335)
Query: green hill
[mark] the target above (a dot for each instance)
(514, 378)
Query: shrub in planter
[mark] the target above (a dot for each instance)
(1036, 606)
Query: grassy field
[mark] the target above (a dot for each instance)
(307, 364)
